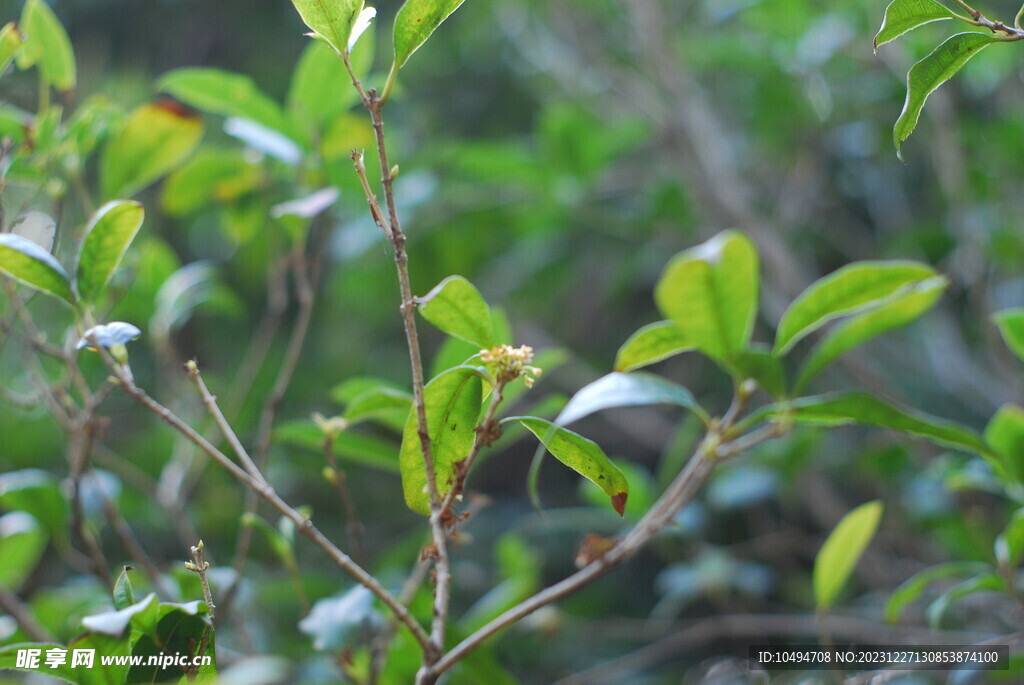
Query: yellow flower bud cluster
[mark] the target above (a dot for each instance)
(512, 362)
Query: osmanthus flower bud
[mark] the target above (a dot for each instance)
(512, 362)
(112, 337)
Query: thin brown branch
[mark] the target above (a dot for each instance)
(199, 566)
(13, 605)
(264, 490)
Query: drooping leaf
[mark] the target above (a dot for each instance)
(930, 73)
(986, 582)
(842, 550)
(581, 455)
(711, 293)
(906, 305)
(846, 408)
(111, 230)
(1005, 434)
(626, 390)
(415, 22)
(452, 403)
(24, 261)
(851, 288)
(905, 15)
(46, 45)
(1011, 326)
(153, 141)
(222, 92)
(652, 343)
(332, 20)
(124, 594)
(457, 308)
(910, 590)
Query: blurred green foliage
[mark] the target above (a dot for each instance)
(556, 153)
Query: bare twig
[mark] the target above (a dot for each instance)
(264, 490)
(13, 605)
(199, 566)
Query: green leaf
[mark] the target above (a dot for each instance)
(627, 390)
(349, 446)
(279, 543)
(1009, 546)
(415, 22)
(910, 590)
(1011, 326)
(9, 661)
(154, 140)
(582, 456)
(104, 646)
(652, 343)
(457, 308)
(10, 43)
(1005, 435)
(759, 364)
(847, 408)
(905, 15)
(111, 230)
(141, 616)
(990, 582)
(332, 20)
(907, 304)
(24, 261)
(452, 402)
(351, 388)
(124, 595)
(22, 542)
(711, 293)
(846, 291)
(842, 550)
(38, 493)
(222, 92)
(320, 88)
(182, 629)
(930, 73)
(46, 45)
(382, 404)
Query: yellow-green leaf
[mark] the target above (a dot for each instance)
(153, 141)
(46, 45)
(842, 550)
(24, 261)
(452, 402)
(905, 15)
(457, 308)
(111, 230)
(1011, 326)
(851, 288)
(415, 22)
(711, 293)
(581, 455)
(222, 92)
(332, 20)
(907, 304)
(930, 73)
(652, 343)
(10, 44)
